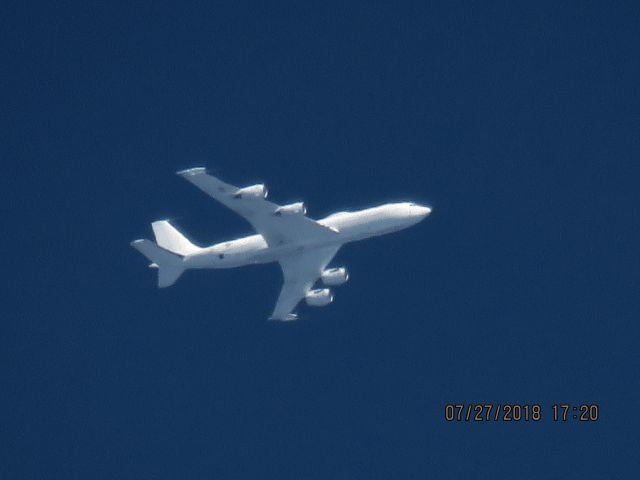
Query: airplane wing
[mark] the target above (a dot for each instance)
(300, 271)
(260, 213)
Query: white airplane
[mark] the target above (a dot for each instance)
(303, 247)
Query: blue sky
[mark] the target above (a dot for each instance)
(517, 122)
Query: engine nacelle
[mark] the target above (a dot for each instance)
(320, 297)
(297, 208)
(334, 276)
(254, 191)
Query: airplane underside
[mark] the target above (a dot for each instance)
(302, 246)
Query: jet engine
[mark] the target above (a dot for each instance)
(319, 297)
(334, 276)
(254, 191)
(297, 208)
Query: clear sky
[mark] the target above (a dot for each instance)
(518, 121)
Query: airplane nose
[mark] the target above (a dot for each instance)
(421, 211)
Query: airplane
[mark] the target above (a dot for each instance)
(303, 246)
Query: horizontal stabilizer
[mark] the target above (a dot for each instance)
(169, 265)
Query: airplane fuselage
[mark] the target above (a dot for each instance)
(348, 227)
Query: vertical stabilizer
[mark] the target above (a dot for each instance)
(169, 238)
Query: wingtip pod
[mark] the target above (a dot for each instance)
(190, 172)
(290, 317)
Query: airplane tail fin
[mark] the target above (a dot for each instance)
(169, 265)
(169, 238)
